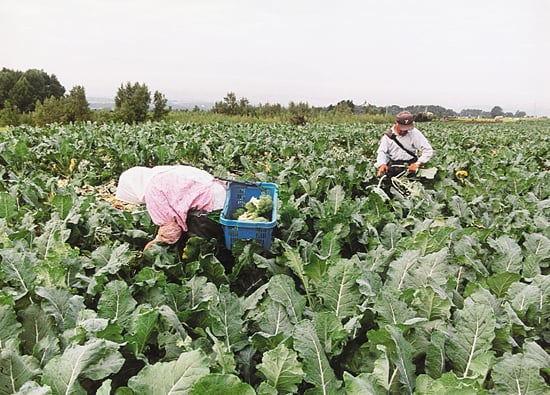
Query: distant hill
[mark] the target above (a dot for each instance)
(99, 103)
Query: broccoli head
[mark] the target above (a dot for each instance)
(255, 210)
(265, 205)
(238, 212)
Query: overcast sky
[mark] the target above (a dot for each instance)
(459, 54)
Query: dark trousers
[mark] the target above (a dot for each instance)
(396, 167)
(203, 226)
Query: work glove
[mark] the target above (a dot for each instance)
(168, 233)
(383, 169)
(413, 167)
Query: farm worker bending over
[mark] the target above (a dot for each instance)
(173, 196)
(403, 147)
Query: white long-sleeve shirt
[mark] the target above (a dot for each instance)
(413, 140)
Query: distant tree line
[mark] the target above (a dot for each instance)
(423, 112)
(36, 98)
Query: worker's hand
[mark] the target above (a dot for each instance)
(413, 167)
(383, 169)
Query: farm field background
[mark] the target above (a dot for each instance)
(443, 291)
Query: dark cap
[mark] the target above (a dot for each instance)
(405, 120)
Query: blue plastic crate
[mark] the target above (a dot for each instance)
(238, 194)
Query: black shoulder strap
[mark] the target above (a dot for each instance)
(393, 137)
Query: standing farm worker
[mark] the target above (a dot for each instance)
(177, 198)
(403, 147)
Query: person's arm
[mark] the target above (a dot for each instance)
(423, 145)
(382, 157)
(382, 152)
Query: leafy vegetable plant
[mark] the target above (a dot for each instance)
(445, 290)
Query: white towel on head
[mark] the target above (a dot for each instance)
(133, 182)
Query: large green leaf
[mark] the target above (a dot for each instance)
(432, 269)
(400, 269)
(228, 324)
(281, 369)
(61, 305)
(431, 304)
(402, 356)
(63, 204)
(427, 241)
(18, 270)
(390, 309)
(94, 360)
(537, 254)
(330, 331)
(55, 232)
(339, 290)
(61, 268)
(33, 388)
(8, 205)
(214, 384)
(294, 261)
(363, 384)
(474, 330)
(391, 234)
(499, 283)
(460, 208)
(109, 259)
(171, 378)
(141, 327)
(201, 292)
(222, 354)
(382, 372)
(282, 289)
(530, 300)
(467, 250)
(538, 245)
(435, 354)
(173, 322)
(315, 363)
(37, 326)
(520, 373)
(116, 303)
(508, 257)
(448, 384)
(274, 318)
(378, 211)
(15, 369)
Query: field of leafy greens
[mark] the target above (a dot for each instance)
(445, 291)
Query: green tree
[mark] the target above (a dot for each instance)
(244, 107)
(471, 112)
(9, 114)
(132, 102)
(299, 113)
(8, 79)
(343, 107)
(159, 106)
(26, 89)
(231, 106)
(51, 110)
(270, 110)
(228, 106)
(496, 111)
(21, 95)
(77, 106)
(371, 109)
